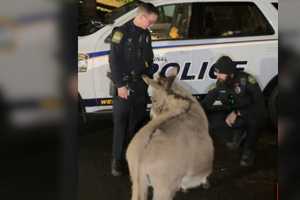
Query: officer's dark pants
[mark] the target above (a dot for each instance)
(252, 126)
(128, 117)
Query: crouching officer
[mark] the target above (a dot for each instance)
(236, 103)
(131, 56)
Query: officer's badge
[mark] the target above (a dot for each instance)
(147, 39)
(146, 64)
(117, 37)
(237, 89)
(243, 81)
(251, 79)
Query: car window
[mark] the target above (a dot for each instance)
(210, 20)
(88, 25)
(172, 23)
(118, 12)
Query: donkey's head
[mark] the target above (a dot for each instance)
(161, 92)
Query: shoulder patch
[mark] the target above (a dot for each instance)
(117, 37)
(251, 79)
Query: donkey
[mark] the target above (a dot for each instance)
(174, 150)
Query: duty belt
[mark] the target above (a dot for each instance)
(132, 77)
(127, 78)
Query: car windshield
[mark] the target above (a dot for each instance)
(122, 10)
(89, 25)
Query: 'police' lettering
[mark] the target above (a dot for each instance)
(155, 67)
(164, 69)
(212, 73)
(202, 70)
(185, 75)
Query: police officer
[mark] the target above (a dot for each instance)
(236, 103)
(131, 56)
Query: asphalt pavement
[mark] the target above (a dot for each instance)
(229, 181)
(31, 168)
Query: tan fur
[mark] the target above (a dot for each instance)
(174, 150)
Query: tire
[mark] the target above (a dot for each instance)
(272, 106)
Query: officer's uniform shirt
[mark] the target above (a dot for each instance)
(241, 94)
(131, 51)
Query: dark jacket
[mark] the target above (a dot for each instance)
(242, 93)
(131, 53)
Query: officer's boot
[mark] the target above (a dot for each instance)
(116, 168)
(237, 139)
(247, 158)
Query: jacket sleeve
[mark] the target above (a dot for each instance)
(209, 100)
(116, 57)
(255, 94)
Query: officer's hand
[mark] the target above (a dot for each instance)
(230, 119)
(123, 92)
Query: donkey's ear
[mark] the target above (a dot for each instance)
(166, 82)
(171, 71)
(170, 81)
(150, 81)
(171, 74)
(167, 78)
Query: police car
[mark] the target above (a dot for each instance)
(191, 35)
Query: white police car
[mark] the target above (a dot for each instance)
(192, 35)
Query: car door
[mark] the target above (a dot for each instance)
(192, 36)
